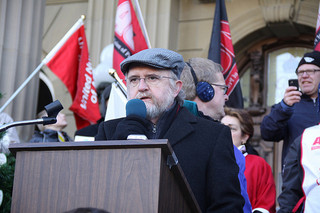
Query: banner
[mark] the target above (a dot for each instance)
(221, 51)
(128, 38)
(69, 60)
(317, 37)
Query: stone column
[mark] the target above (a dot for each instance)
(161, 18)
(100, 26)
(21, 23)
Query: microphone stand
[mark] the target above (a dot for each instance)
(52, 110)
(44, 121)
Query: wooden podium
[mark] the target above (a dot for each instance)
(117, 176)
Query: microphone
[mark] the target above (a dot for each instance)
(137, 108)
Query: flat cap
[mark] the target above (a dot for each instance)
(156, 57)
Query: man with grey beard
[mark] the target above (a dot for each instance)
(204, 148)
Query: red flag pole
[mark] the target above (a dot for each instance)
(46, 59)
(64, 39)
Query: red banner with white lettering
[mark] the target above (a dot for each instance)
(128, 38)
(69, 60)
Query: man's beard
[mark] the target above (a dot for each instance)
(159, 106)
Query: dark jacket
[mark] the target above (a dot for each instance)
(292, 179)
(241, 162)
(205, 152)
(90, 130)
(48, 135)
(288, 125)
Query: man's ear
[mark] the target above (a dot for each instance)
(178, 87)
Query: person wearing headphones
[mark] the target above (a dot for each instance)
(205, 85)
(206, 94)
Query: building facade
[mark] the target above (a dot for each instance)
(269, 37)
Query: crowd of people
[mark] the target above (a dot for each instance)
(185, 103)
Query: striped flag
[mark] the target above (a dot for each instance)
(221, 52)
(317, 37)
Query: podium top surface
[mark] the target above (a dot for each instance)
(111, 144)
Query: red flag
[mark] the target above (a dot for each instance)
(69, 60)
(128, 38)
(221, 52)
(317, 37)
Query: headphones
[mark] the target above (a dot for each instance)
(204, 90)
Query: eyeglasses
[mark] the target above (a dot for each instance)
(224, 87)
(149, 80)
(309, 72)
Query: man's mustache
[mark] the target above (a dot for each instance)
(143, 95)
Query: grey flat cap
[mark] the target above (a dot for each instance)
(157, 58)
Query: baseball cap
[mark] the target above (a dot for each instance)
(310, 58)
(157, 58)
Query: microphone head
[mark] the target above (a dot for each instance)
(136, 107)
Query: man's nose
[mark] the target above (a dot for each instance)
(142, 85)
(305, 74)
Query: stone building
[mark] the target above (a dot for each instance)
(268, 36)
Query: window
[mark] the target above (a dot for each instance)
(245, 87)
(282, 64)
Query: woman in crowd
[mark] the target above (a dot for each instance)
(260, 183)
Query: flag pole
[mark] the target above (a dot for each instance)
(144, 29)
(22, 86)
(55, 49)
(122, 87)
(44, 61)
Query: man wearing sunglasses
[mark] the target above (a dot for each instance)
(203, 148)
(298, 109)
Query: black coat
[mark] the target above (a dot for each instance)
(205, 152)
(90, 130)
(292, 179)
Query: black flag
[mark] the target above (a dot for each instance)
(221, 51)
